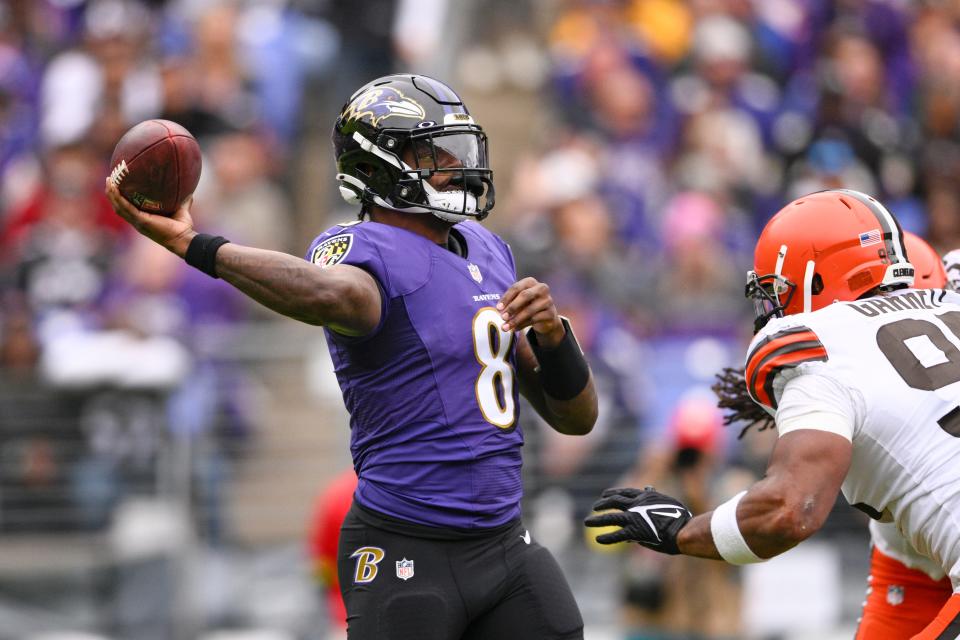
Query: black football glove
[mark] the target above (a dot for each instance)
(646, 516)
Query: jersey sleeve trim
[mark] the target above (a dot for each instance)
(782, 350)
(818, 421)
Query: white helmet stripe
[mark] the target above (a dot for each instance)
(895, 235)
(885, 219)
(899, 272)
(369, 147)
(781, 256)
(807, 285)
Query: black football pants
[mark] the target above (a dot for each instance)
(399, 586)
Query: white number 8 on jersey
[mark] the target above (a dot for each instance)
(491, 345)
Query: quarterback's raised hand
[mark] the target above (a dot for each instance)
(643, 515)
(173, 233)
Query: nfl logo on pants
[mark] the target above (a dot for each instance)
(404, 569)
(894, 594)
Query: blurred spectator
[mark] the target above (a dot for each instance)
(110, 72)
(57, 246)
(699, 268)
(224, 87)
(69, 195)
(19, 350)
(241, 201)
(18, 117)
(33, 465)
(943, 204)
(329, 510)
(829, 164)
(173, 309)
(369, 33)
(182, 103)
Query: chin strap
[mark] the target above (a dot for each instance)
(351, 189)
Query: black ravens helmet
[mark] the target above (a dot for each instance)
(397, 132)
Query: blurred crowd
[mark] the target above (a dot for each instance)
(662, 136)
(675, 129)
(93, 317)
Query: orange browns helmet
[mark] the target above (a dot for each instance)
(930, 273)
(824, 247)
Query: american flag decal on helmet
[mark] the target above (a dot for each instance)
(872, 237)
(782, 350)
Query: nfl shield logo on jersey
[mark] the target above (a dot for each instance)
(894, 594)
(475, 272)
(404, 569)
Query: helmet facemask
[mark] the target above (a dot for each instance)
(446, 173)
(771, 294)
(406, 142)
(396, 171)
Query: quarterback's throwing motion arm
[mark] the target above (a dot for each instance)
(343, 298)
(786, 507)
(347, 300)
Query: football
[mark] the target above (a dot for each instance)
(156, 166)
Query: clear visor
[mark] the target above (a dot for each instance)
(450, 151)
(447, 172)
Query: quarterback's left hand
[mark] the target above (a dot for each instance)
(645, 516)
(528, 303)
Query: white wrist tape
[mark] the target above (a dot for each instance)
(726, 533)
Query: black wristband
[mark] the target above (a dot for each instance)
(564, 371)
(202, 253)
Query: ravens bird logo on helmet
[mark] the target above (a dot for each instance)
(407, 142)
(383, 102)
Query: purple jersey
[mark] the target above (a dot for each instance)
(432, 391)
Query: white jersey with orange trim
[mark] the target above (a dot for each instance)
(883, 372)
(886, 537)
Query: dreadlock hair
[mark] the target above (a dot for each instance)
(731, 390)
